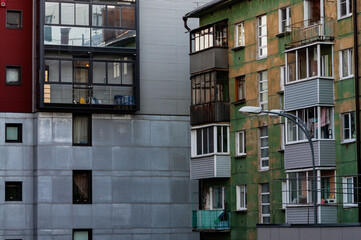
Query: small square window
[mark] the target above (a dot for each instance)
(82, 234)
(13, 19)
(13, 132)
(13, 75)
(82, 187)
(13, 191)
(81, 130)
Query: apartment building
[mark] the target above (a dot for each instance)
(94, 121)
(292, 57)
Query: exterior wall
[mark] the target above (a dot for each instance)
(17, 164)
(140, 177)
(17, 98)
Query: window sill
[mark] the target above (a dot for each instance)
(241, 155)
(348, 141)
(281, 92)
(347, 77)
(282, 34)
(242, 210)
(239, 102)
(344, 17)
(263, 170)
(349, 205)
(261, 57)
(238, 48)
(281, 150)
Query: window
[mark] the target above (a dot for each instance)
(13, 191)
(346, 63)
(284, 194)
(240, 37)
(213, 198)
(82, 234)
(284, 18)
(13, 19)
(263, 90)
(282, 136)
(210, 140)
(265, 203)
(13, 132)
(13, 75)
(349, 191)
(344, 8)
(264, 148)
(215, 35)
(312, 13)
(262, 36)
(241, 197)
(348, 127)
(82, 187)
(240, 88)
(241, 143)
(282, 78)
(81, 130)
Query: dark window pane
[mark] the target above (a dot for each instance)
(82, 186)
(81, 130)
(13, 191)
(13, 19)
(13, 132)
(128, 17)
(199, 141)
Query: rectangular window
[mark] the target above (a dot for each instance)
(240, 37)
(82, 234)
(13, 191)
(13, 132)
(264, 148)
(81, 130)
(263, 90)
(349, 190)
(217, 198)
(348, 126)
(282, 78)
(13, 75)
(284, 15)
(346, 63)
(241, 197)
(14, 19)
(265, 203)
(282, 136)
(82, 187)
(344, 8)
(240, 88)
(241, 143)
(262, 36)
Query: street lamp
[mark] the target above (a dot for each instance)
(302, 125)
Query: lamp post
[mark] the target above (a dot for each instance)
(302, 125)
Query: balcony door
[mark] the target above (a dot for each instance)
(81, 89)
(312, 12)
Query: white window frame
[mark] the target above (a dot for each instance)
(348, 6)
(241, 194)
(351, 115)
(260, 37)
(350, 68)
(211, 198)
(263, 168)
(283, 136)
(287, 20)
(282, 77)
(285, 194)
(240, 35)
(265, 204)
(260, 80)
(240, 136)
(345, 192)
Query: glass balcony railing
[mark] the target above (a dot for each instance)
(211, 220)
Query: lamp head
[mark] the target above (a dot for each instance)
(249, 109)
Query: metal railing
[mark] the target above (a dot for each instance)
(208, 220)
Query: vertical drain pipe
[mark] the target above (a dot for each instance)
(357, 104)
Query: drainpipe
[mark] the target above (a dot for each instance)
(357, 103)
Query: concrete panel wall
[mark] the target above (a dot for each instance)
(140, 177)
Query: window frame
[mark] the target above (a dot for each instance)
(282, 77)
(89, 130)
(241, 37)
(263, 159)
(241, 195)
(350, 68)
(348, 10)
(90, 191)
(17, 67)
(259, 37)
(21, 19)
(19, 126)
(19, 190)
(351, 115)
(288, 19)
(211, 197)
(240, 85)
(241, 136)
(90, 233)
(345, 191)
(262, 215)
(260, 82)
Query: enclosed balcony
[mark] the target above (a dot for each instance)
(211, 220)
(209, 48)
(309, 78)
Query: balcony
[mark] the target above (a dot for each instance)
(298, 155)
(327, 213)
(214, 166)
(211, 58)
(211, 220)
(308, 31)
(209, 113)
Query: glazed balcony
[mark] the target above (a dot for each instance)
(211, 220)
(211, 58)
(209, 113)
